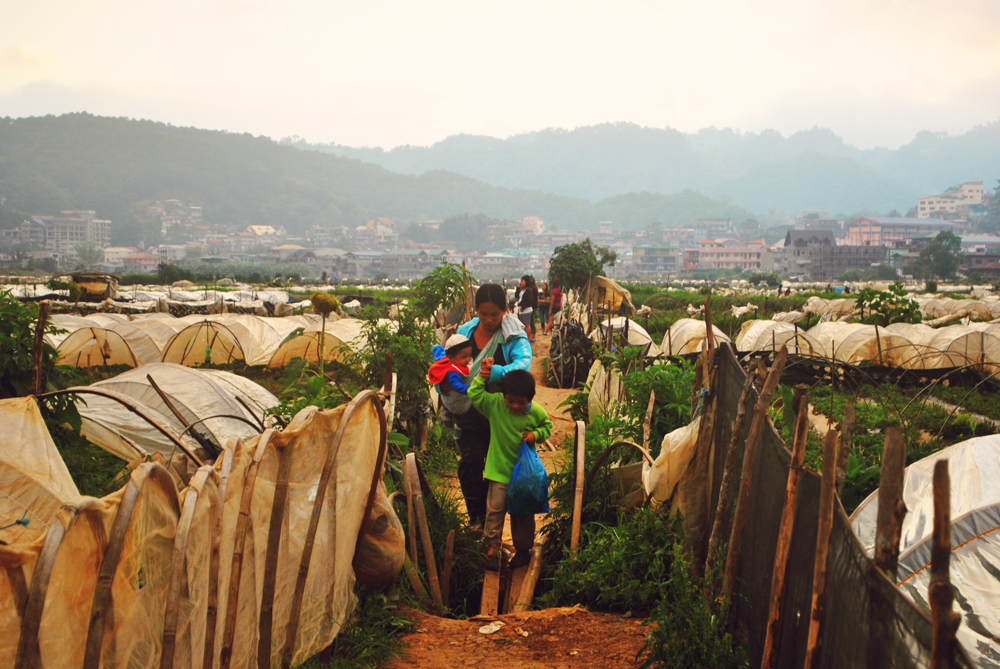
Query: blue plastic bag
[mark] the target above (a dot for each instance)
(528, 492)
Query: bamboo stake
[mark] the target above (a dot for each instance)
(414, 576)
(746, 475)
(800, 403)
(43, 315)
(425, 532)
(722, 509)
(940, 592)
(646, 429)
(527, 592)
(580, 455)
(265, 626)
(449, 554)
(891, 509)
(239, 545)
(212, 614)
(814, 642)
(411, 516)
(846, 443)
(28, 651)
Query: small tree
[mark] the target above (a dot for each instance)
(941, 258)
(577, 263)
(90, 255)
(884, 307)
(443, 287)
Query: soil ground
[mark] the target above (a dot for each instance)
(556, 638)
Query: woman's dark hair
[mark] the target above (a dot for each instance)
(555, 283)
(519, 383)
(492, 293)
(527, 279)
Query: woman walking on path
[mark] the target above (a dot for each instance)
(555, 305)
(499, 335)
(544, 304)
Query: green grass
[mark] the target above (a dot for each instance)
(984, 400)
(371, 637)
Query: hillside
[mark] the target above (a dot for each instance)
(808, 169)
(80, 161)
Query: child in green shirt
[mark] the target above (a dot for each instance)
(513, 418)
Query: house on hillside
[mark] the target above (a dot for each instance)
(888, 230)
(814, 255)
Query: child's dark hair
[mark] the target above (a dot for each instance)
(519, 383)
(492, 293)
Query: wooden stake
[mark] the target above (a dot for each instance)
(43, 315)
(846, 444)
(646, 429)
(414, 576)
(891, 509)
(425, 531)
(746, 475)
(722, 509)
(580, 455)
(411, 516)
(940, 592)
(527, 592)
(449, 554)
(826, 494)
(265, 625)
(800, 402)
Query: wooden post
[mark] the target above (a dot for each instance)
(411, 516)
(425, 532)
(813, 642)
(449, 554)
(722, 508)
(646, 424)
(891, 509)
(387, 376)
(580, 455)
(468, 298)
(846, 443)
(709, 334)
(940, 592)
(523, 598)
(746, 475)
(43, 315)
(800, 403)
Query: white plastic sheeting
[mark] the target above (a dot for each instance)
(687, 335)
(95, 347)
(637, 335)
(974, 468)
(197, 395)
(761, 335)
(34, 480)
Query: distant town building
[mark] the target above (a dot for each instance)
(168, 253)
(814, 255)
(115, 255)
(70, 228)
(953, 203)
(266, 235)
(730, 253)
(378, 232)
(887, 231)
(141, 263)
(655, 260)
(534, 223)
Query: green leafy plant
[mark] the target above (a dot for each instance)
(577, 263)
(371, 637)
(884, 307)
(443, 288)
(623, 566)
(687, 628)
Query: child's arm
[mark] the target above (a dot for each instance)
(541, 426)
(478, 395)
(455, 381)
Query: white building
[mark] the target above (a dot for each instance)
(954, 202)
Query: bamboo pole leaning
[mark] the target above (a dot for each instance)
(43, 315)
(940, 592)
(580, 456)
(826, 499)
(746, 475)
(891, 509)
(425, 532)
(846, 444)
(722, 509)
(800, 403)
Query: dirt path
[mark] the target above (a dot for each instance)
(549, 639)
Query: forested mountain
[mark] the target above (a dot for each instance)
(80, 161)
(811, 169)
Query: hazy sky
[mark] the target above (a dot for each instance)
(385, 73)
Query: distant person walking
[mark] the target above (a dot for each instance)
(494, 334)
(544, 304)
(556, 305)
(527, 303)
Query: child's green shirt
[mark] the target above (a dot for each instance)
(506, 429)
